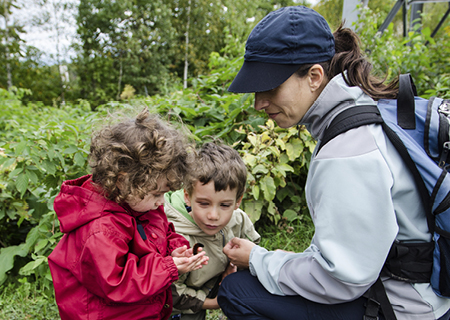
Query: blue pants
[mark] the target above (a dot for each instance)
(241, 296)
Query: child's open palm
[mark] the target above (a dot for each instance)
(186, 261)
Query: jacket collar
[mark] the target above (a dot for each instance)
(335, 97)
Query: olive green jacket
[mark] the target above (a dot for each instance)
(191, 289)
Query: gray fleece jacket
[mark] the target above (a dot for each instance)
(361, 198)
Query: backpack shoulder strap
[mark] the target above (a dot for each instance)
(409, 162)
(349, 119)
(378, 299)
(406, 117)
(362, 115)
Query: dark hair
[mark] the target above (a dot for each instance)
(220, 163)
(134, 154)
(348, 57)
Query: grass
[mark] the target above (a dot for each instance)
(24, 300)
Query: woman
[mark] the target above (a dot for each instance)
(361, 196)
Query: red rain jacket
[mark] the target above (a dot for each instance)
(102, 268)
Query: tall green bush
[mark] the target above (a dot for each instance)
(426, 58)
(40, 148)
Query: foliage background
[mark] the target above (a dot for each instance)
(45, 125)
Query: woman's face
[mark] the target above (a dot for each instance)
(288, 103)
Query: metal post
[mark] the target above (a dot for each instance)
(391, 15)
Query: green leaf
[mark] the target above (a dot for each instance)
(253, 209)
(79, 159)
(32, 176)
(30, 266)
(268, 188)
(51, 151)
(290, 214)
(49, 167)
(8, 163)
(22, 183)
(40, 245)
(255, 191)
(294, 149)
(260, 169)
(283, 193)
(7, 259)
(15, 172)
(283, 168)
(20, 147)
(71, 149)
(249, 159)
(272, 208)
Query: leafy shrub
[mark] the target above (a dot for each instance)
(426, 58)
(277, 162)
(40, 148)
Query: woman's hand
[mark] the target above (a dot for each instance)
(238, 251)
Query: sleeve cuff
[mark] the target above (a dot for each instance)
(171, 267)
(250, 265)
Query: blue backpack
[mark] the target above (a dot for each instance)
(419, 129)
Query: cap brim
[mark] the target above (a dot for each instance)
(257, 76)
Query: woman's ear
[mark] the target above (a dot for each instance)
(316, 76)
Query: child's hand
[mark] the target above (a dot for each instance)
(188, 264)
(185, 252)
(182, 252)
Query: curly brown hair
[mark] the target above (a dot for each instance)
(220, 163)
(135, 153)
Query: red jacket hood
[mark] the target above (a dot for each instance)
(79, 203)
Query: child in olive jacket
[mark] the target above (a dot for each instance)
(207, 212)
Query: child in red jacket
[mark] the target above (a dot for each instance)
(119, 254)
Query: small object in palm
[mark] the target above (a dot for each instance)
(196, 246)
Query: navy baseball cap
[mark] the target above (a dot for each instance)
(279, 44)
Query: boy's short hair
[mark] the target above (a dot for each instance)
(135, 154)
(220, 163)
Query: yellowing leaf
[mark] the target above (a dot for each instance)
(294, 149)
(260, 169)
(268, 188)
(253, 209)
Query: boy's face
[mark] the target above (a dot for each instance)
(211, 210)
(152, 200)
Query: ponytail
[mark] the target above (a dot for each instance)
(348, 58)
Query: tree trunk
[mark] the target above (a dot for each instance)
(186, 62)
(8, 65)
(120, 79)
